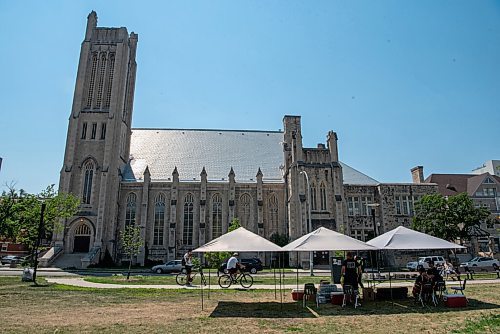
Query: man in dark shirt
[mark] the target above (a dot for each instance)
(434, 274)
(351, 271)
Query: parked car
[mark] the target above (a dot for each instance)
(412, 265)
(251, 265)
(481, 262)
(8, 259)
(424, 261)
(169, 267)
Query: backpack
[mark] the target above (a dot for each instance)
(183, 262)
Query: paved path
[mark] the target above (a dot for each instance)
(80, 282)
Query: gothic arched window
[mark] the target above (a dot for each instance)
(244, 210)
(313, 196)
(187, 236)
(159, 221)
(273, 212)
(322, 195)
(100, 82)
(90, 93)
(87, 181)
(216, 216)
(111, 68)
(130, 209)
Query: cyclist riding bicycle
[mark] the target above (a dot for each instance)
(233, 264)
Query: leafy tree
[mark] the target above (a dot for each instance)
(279, 239)
(449, 218)
(20, 214)
(217, 258)
(131, 243)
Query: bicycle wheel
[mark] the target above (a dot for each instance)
(181, 279)
(246, 280)
(225, 281)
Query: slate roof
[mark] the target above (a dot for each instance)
(452, 184)
(217, 150)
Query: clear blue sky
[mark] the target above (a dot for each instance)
(402, 83)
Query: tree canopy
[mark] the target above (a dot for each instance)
(449, 218)
(20, 214)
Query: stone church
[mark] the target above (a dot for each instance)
(184, 186)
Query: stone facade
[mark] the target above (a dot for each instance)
(178, 213)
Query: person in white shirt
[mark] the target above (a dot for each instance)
(188, 264)
(233, 264)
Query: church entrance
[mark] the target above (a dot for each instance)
(81, 243)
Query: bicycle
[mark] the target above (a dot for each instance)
(245, 280)
(181, 277)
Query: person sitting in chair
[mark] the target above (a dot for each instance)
(434, 275)
(421, 279)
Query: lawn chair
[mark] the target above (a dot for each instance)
(309, 290)
(440, 290)
(460, 288)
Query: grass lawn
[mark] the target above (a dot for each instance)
(63, 309)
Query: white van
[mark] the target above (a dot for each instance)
(424, 261)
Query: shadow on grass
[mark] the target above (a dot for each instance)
(260, 310)
(295, 309)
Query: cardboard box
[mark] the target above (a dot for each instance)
(455, 300)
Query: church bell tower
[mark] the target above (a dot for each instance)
(98, 139)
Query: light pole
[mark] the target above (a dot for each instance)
(309, 225)
(37, 242)
(373, 206)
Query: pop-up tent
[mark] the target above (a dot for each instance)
(324, 239)
(402, 238)
(239, 240)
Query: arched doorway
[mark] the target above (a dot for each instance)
(81, 242)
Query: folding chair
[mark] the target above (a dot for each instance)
(460, 288)
(441, 290)
(309, 290)
(427, 294)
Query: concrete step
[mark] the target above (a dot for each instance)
(73, 260)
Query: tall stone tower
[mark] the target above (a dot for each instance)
(98, 140)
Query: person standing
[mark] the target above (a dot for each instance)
(351, 271)
(188, 265)
(361, 264)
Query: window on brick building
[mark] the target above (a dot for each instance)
(216, 216)
(130, 209)
(87, 181)
(84, 130)
(244, 210)
(94, 131)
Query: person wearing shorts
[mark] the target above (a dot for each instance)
(233, 264)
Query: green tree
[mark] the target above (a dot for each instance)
(217, 258)
(279, 239)
(449, 218)
(131, 243)
(20, 215)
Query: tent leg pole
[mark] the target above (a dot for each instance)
(281, 293)
(209, 279)
(201, 286)
(297, 271)
(274, 271)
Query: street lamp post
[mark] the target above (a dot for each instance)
(37, 242)
(309, 225)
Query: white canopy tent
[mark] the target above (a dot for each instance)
(324, 239)
(402, 238)
(239, 240)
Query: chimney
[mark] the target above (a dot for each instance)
(417, 174)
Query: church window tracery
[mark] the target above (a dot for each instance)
(159, 220)
(216, 216)
(130, 209)
(244, 214)
(93, 70)
(87, 183)
(187, 237)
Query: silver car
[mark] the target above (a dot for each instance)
(169, 267)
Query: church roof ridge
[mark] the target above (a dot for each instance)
(214, 130)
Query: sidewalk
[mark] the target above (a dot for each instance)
(80, 282)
